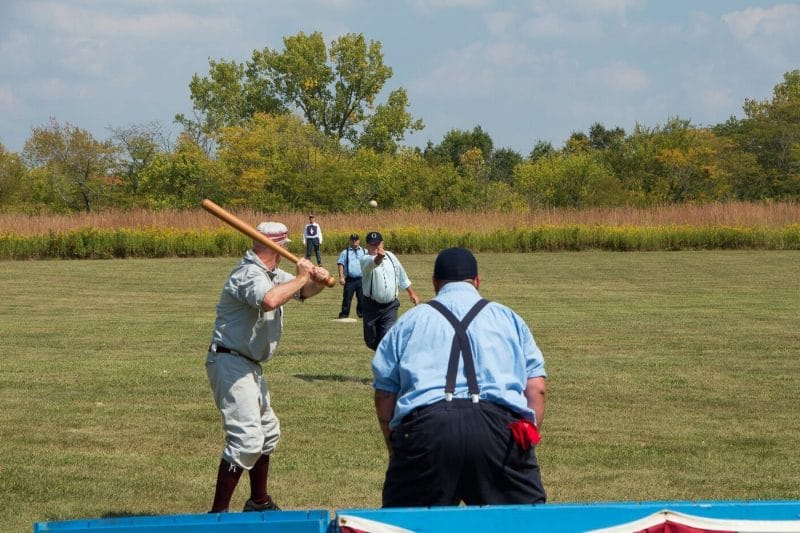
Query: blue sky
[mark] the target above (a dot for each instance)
(522, 70)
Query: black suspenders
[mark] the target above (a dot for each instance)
(461, 347)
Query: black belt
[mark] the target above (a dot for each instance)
(348, 278)
(218, 348)
(460, 403)
(379, 304)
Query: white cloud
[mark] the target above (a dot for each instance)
(337, 4)
(460, 73)
(430, 5)
(88, 57)
(7, 98)
(499, 22)
(508, 55)
(502, 71)
(86, 48)
(15, 48)
(778, 22)
(716, 99)
(701, 25)
(556, 26)
(616, 7)
(576, 19)
(619, 77)
(770, 35)
(53, 89)
(70, 19)
(607, 6)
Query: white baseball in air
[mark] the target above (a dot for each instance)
(373, 203)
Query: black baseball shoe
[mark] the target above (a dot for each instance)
(268, 505)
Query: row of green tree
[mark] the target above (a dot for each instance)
(301, 128)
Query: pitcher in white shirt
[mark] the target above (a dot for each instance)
(382, 278)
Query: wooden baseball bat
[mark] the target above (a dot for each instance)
(253, 233)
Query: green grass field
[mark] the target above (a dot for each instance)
(672, 375)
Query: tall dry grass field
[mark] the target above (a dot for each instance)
(739, 214)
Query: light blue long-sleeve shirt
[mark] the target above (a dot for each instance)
(411, 360)
(382, 282)
(350, 259)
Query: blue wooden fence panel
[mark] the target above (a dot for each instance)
(316, 521)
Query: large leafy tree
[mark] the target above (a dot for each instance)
(771, 132)
(181, 178)
(492, 181)
(272, 161)
(138, 146)
(601, 138)
(13, 178)
(456, 143)
(389, 124)
(335, 89)
(568, 179)
(690, 173)
(541, 149)
(330, 87)
(78, 168)
(228, 96)
(502, 165)
(678, 162)
(577, 143)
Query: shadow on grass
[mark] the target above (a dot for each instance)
(333, 377)
(121, 514)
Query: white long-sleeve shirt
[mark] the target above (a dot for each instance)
(312, 231)
(383, 282)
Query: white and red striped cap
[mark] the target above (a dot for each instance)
(275, 231)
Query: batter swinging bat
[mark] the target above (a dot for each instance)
(254, 234)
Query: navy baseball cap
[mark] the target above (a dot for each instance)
(455, 264)
(373, 237)
(354, 237)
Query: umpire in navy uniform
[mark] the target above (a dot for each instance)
(349, 266)
(460, 395)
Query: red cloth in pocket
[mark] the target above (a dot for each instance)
(525, 433)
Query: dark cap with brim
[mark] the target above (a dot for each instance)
(455, 264)
(373, 237)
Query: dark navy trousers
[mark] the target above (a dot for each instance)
(450, 452)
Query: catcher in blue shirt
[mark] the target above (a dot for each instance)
(460, 394)
(349, 266)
